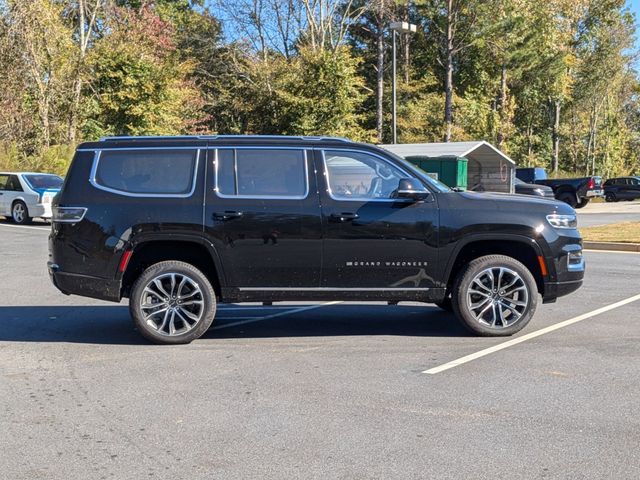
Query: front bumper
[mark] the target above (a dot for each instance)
(569, 268)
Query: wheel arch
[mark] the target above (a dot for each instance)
(524, 249)
(195, 251)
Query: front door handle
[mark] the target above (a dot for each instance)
(343, 217)
(227, 215)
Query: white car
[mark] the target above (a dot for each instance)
(26, 195)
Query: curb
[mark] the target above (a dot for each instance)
(618, 247)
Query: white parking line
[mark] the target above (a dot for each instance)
(524, 338)
(275, 315)
(24, 226)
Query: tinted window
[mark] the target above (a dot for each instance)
(147, 172)
(44, 181)
(3, 181)
(261, 173)
(356, 175)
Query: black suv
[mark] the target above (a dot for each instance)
(178, 224)
(622, 188)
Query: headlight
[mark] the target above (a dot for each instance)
(562, 221)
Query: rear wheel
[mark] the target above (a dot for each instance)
(568, 198)
(172, 303)
(610, 197)
(494, 296)
(20, 213)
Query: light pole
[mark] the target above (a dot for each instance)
(396, 28)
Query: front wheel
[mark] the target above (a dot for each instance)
(495, 296)
(172, 303)
(20, 213)
(610, 197)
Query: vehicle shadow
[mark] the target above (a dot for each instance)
(112, 324)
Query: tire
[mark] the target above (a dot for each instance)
(157, 311)
(20, 213)
(568, 198)
(610, 197)
(495, 316)
(583, 203)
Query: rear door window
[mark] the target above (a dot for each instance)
(263, 173)
(162, 172)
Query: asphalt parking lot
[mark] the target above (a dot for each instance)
(606, 213)
(317, 391)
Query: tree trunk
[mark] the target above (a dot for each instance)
(448, 81)
(502, 106)
(556, 136)
(380, 72)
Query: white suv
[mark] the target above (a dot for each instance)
(26, 195)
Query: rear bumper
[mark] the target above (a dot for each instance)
(84, 285)
(40, 210)
(594, 193)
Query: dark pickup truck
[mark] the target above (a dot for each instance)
(575, 191)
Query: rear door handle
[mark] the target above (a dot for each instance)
(343, 217)
(228, 215)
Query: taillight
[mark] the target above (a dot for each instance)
(68, 214)
(592, 183)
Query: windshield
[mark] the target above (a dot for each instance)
(44, 181)
(436, 184)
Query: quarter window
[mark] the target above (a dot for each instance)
(258, 172)
(360, 176)
(147, 172)
(14, 184)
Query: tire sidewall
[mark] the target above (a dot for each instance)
(208, 296)
(463, 281)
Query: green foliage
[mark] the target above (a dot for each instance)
(167, 67)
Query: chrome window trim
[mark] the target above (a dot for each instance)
(361, 200)
(263, 197)
(96, 161)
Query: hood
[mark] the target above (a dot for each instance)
(533, 186)
(506, 201)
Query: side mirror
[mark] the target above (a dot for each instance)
(412, 189)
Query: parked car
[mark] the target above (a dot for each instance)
(179, 224)
(576, 192)
(622, 188)
(523, 188)
(26, 195)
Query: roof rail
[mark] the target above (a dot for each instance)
(217, 137)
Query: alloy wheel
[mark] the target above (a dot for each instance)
(172, 304)
(497, 297)
(19, 212)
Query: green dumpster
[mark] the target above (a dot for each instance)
(450, 170)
